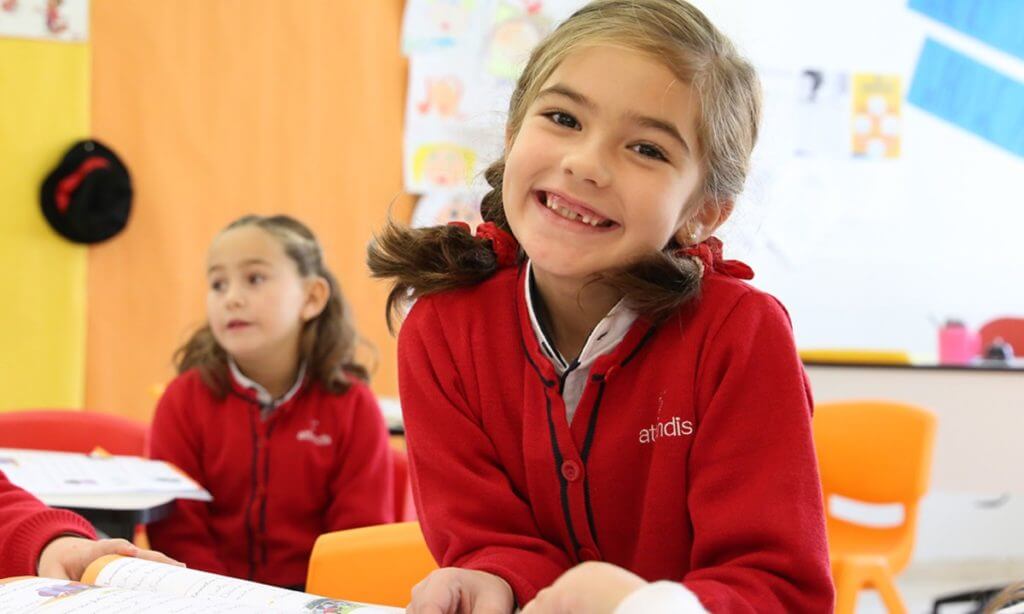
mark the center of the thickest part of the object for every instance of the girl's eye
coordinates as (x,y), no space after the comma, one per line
(650,151)
(256,278)
(563,119)
(217,285)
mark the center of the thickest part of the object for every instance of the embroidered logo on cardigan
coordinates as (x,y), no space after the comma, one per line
(310,435)
(674,427)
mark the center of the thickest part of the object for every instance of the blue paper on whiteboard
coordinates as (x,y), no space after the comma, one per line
(999,23)
(970,95)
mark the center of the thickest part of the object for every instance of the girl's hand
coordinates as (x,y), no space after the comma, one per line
(451,590)
(588,588)
(67,557)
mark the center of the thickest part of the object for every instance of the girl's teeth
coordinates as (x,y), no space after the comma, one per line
(572,215)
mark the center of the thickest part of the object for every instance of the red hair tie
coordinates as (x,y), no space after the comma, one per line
(67,186)
(505,246)
(709,254)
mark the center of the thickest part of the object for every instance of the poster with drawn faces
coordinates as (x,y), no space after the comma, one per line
(464,59)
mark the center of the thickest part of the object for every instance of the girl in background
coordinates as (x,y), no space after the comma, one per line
(270,413)
(586,378)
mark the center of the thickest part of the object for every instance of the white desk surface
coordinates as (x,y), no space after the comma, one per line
(118,502)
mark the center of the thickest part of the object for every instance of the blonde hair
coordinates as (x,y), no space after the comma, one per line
(327,342)
(427,260)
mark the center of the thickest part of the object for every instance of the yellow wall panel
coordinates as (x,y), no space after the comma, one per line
(44,96)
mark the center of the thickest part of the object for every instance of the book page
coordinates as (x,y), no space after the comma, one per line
(141,575)
(59,596)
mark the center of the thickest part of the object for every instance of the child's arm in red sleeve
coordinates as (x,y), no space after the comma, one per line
(27,526)
(363,486)
(755,496)
(470,514)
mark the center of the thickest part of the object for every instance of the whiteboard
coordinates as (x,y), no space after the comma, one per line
(866,252)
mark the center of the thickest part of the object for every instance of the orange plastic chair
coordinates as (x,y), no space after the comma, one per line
(875,452)
(378,564)
(405,508)
(72,431)
(1010,330)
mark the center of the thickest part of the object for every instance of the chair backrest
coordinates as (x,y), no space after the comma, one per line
(378,564)
(72,431)
(405,508)
(874,451)
(1010,330)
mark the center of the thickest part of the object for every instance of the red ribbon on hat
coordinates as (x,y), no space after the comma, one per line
(67,186)
(505,246)
(709,253)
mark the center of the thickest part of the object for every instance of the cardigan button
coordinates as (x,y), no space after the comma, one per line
(571,470)
(586,554)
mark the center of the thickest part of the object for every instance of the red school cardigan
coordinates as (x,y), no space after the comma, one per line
(320,462)
(690,456)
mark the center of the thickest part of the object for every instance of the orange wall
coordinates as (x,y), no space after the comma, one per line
(225,108)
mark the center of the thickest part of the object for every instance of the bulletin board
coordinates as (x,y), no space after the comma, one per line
(887,189)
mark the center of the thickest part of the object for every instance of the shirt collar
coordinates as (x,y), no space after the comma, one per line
(606,335)
(262,395)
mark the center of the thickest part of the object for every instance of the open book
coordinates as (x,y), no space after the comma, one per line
(122,584)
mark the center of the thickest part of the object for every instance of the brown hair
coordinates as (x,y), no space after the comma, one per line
(1010,595)
(428,260)
(328,341)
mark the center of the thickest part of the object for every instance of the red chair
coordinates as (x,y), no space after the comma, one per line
(72,431)
(65,430)
(405,507)
(1010,330)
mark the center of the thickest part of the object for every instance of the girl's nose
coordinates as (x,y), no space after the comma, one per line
(234,298)
(588,162)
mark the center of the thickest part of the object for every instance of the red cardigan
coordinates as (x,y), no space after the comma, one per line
(27,526)
(319,463)
(689,458)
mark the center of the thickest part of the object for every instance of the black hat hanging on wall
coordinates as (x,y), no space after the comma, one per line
(88,197)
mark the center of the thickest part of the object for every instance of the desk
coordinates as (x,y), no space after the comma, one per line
(115,515)
(979,445)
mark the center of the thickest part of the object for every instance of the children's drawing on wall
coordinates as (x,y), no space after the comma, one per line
(876,116)
(441,166)
(438,85)
(62,20)
(518,26)
(441,208)
(431,25)
(822,112)
(441,96)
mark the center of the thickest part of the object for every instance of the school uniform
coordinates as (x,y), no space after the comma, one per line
(27,525)
(281,473)
(680,451)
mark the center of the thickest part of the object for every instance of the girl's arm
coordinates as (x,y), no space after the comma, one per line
(755,496)
(184,535)
(27,526)
(363,486)
(471,515)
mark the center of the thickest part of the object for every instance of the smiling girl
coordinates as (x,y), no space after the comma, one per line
(586,378)
(270,412)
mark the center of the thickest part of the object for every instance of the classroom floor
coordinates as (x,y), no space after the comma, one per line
(921,584)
